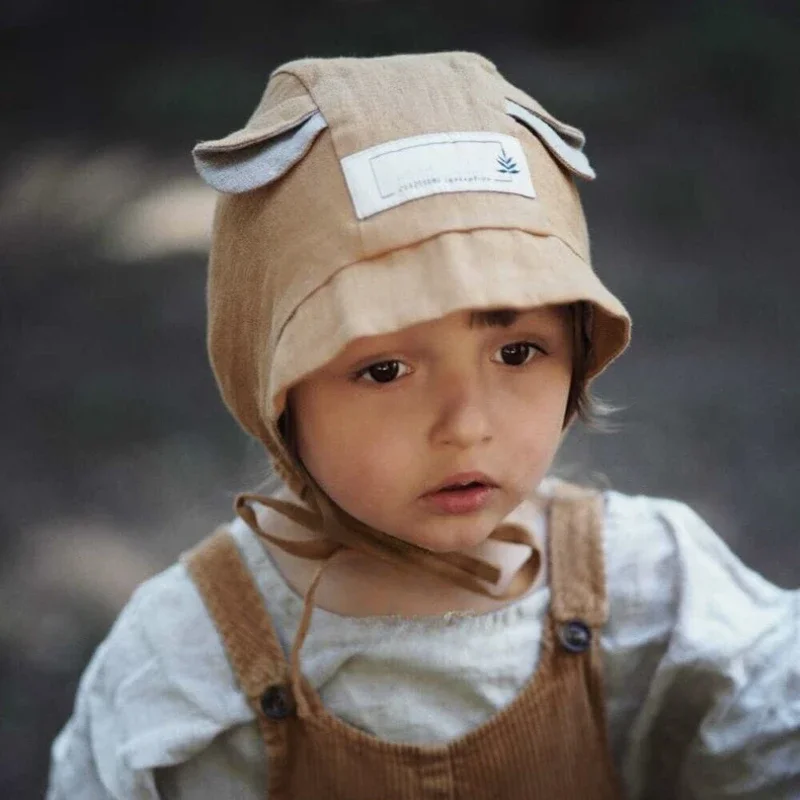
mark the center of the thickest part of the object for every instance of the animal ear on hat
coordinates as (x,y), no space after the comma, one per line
(564,142)
(265,150)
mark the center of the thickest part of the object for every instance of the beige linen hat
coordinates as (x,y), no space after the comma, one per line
(367,195)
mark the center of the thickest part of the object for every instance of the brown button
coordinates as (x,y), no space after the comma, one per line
(575,636)
(277,702)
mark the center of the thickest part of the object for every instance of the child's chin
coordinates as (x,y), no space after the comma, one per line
(450,541)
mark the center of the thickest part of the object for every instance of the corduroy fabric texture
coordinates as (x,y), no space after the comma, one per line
(551,741)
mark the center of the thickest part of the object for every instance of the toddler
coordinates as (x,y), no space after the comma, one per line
(402,309)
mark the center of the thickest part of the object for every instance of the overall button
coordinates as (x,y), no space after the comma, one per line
(277,702)
(575,636)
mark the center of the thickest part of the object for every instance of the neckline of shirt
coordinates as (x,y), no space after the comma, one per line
(284,599)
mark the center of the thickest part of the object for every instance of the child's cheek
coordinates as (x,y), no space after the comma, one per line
(356,454)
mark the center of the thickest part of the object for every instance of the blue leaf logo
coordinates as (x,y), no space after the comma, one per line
(506,164)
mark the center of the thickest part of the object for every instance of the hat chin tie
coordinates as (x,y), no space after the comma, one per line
(341,532)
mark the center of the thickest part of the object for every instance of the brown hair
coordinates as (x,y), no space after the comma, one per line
(580,402)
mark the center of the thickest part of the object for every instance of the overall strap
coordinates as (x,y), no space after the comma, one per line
(577,571)
(578,610)
(237,608)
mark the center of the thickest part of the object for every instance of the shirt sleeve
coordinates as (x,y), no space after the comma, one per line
(233,765)
(73,769)
(88,761)
(156,707)
(719,714)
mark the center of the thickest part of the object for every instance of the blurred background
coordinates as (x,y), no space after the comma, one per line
(117,453)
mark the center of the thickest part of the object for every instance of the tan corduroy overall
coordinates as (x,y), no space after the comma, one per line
(550,742)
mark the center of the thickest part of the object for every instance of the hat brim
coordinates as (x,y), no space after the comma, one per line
(475,269)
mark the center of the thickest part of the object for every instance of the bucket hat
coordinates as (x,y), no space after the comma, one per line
(365,195)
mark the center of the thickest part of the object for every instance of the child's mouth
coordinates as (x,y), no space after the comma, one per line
(460,498)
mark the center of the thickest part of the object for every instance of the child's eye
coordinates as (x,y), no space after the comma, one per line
(518,353)
(382,371)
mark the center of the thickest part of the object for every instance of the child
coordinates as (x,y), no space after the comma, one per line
(402,309)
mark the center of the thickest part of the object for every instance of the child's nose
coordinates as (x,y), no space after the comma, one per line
(463,415)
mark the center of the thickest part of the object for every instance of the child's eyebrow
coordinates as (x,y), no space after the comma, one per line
(497,318)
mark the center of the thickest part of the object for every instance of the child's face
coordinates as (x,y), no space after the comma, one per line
(395,416)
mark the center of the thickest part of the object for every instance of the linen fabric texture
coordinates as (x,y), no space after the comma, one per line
(701,664)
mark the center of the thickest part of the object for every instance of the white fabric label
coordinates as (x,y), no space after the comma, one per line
(395,172)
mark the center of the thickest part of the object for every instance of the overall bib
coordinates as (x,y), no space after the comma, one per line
(549,742)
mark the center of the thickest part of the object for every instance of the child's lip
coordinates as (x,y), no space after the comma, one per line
(463,478)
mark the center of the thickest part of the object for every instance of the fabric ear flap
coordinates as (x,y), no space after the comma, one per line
(260,153)
(564,142)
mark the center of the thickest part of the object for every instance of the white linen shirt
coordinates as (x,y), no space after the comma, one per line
(701,668)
